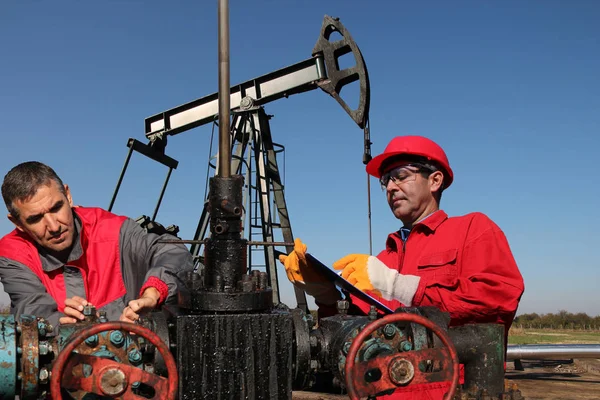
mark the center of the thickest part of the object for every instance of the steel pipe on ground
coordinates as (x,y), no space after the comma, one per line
(552,351)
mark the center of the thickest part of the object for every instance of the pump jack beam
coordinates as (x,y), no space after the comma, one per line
(320,71)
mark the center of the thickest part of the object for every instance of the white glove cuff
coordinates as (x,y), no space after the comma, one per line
(392,284)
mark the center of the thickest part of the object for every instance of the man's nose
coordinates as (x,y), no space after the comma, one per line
(52,224)
(391,186)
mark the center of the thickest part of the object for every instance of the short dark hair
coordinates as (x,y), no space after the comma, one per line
(24,180)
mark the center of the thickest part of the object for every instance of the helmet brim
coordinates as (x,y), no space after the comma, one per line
(374,166)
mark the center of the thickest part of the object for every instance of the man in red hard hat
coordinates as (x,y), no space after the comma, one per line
(461,265)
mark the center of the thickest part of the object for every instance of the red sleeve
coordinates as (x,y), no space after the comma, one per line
(488,285)
(159,285)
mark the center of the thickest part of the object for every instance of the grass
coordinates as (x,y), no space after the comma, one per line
(552,336)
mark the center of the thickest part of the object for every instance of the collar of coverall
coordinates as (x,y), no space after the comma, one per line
(51,263)
(431,222)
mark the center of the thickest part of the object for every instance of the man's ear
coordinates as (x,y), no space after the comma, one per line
(68,194)
(15,221)
(436,180)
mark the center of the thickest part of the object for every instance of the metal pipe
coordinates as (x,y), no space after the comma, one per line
(552,351)
(248,242)
(369,214)
(112,201)
(224,143)
(162,194)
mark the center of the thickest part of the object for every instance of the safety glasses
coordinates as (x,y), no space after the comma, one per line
(402,174)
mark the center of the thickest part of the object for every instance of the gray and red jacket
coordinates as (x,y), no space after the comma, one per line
(111,263)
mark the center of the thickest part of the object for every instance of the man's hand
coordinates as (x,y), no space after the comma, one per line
(135,308)
(367,273)
(73,310)
(301,274)
(354,270)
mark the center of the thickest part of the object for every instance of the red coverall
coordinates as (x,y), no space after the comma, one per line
(466,269)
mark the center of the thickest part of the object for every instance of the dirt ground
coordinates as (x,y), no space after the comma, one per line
(550,380)
(557,381)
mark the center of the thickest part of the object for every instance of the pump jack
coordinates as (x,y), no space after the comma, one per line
(251,130)
(228,336)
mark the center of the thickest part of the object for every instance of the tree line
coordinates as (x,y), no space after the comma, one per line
(562,320)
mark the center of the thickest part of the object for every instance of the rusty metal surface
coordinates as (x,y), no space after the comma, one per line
(8,356)
(400,370)
(109,378)
(104,376)
(480,348)
(356,382)
(105,345)
(29,344)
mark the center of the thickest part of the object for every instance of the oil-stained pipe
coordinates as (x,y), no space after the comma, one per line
(552,351)
(224,104)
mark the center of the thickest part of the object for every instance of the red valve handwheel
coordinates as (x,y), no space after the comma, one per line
(104,368)
(355,373)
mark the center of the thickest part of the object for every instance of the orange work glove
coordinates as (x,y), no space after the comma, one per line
(300,273)
(368,273)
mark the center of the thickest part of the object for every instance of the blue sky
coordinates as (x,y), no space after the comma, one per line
(510,89)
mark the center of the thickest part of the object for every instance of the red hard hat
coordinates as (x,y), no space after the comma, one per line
(413,146)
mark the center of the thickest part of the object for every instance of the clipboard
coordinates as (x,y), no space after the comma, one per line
(343,284)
